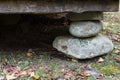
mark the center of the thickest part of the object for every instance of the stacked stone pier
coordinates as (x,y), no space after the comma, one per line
(85,40)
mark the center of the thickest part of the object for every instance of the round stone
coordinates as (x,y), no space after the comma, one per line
(85,28)
(83,48)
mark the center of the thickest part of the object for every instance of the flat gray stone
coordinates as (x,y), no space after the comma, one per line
(83,48)
(85,28)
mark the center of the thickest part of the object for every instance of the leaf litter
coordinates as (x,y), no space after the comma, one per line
(63,68)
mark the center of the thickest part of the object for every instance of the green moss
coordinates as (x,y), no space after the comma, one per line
(54,66)
(39,73)
(114,27)
(107,69)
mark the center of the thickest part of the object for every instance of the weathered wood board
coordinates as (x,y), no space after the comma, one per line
(57,6)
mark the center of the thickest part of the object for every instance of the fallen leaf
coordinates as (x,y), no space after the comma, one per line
(2,78)
(63,70)
(41,67)
(31,74)
(36,76)
(117,51)
(11,69)
(117,59)
(83,75)
(23,72)
(28,54)
(74,60)
(4,63)
(69,74)
(100,60)
(11,77)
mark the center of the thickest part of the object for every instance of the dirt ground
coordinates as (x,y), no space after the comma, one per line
(28,55)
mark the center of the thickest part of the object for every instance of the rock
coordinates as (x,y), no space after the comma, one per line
(85,28)
(85,16)
(83,48)
(91,71)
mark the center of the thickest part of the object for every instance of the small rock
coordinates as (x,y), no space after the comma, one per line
(91,71)
(85,28)
(83,48)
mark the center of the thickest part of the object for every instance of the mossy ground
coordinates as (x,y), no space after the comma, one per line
(48,64)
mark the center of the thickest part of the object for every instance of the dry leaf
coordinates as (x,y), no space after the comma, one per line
(11,77)
(100,60)
(31,74)
(41,67)
(36,76)
(63,70)
(23,72)
(117,59)
(29,54)
(84,75)
(117,51)
(68,75)
(2,78)
(4,63)
(74,60)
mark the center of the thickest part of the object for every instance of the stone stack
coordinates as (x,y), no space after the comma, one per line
(85,40)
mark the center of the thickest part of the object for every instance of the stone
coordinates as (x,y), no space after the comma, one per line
(85,16)
(84,48)
(85,28)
